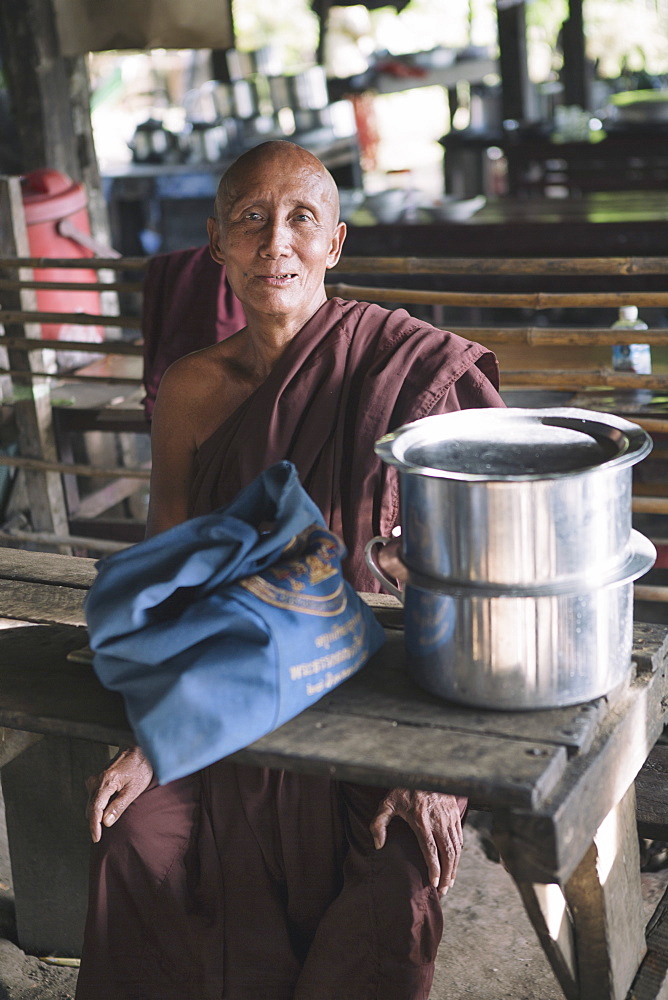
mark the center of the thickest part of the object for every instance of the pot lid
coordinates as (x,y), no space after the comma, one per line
(514,444)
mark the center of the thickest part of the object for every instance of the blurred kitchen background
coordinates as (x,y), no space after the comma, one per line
(404,103)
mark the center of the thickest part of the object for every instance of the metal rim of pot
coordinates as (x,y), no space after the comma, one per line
(633,443)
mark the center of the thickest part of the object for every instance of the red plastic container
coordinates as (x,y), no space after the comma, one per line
(52,199)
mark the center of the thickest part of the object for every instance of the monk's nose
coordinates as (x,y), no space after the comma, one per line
(276,241)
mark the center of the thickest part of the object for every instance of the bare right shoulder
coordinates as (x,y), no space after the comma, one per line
(192,401)
(196,393)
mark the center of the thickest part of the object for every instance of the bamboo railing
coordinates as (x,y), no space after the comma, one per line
(22,328)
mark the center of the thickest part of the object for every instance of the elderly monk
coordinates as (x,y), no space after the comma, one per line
(245,883)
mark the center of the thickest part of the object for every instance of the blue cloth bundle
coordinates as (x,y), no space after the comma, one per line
(224,627)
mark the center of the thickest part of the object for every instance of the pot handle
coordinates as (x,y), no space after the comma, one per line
(375,568)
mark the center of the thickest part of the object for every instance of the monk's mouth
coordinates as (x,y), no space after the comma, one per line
(278,279)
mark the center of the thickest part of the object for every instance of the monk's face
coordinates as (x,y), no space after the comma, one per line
(277,231)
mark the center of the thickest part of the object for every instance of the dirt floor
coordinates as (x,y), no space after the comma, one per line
(489,950)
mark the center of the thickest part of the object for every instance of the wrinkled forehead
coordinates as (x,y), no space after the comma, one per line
(292,179)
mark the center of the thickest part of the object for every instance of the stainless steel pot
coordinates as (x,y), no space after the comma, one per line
(524,652)
(516,497)
(516,530)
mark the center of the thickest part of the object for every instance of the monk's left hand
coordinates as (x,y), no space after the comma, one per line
(435,820)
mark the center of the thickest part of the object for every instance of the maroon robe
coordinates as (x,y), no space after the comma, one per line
(243,883)
(187,304)
(354,372)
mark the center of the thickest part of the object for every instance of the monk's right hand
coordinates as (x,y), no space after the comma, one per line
(112,791)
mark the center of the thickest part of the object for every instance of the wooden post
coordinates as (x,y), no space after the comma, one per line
(516,94)
(49,843)
(50,100)
(32,406)
(574,73)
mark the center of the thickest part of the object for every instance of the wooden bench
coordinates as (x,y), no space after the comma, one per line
(543,361)
(559,784)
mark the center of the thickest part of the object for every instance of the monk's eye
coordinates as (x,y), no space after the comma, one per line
(252,216)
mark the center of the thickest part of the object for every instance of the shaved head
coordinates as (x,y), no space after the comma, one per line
(277,231)
(287,159)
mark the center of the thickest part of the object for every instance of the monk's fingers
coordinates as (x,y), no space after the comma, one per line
(447,832)
(379,824)
(430,852)
(99,793)
(112,791)
(118,805)
(449,853)
(131,789)
(436,822)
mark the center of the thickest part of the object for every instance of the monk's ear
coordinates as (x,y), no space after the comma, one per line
(337,245)
(215,245)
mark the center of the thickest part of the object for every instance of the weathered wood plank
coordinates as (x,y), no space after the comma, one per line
(46,567)
(384,690)
(548,844)
(650,645)
(42,602)
(498,300)
(44,692)
(501,265)
(492,771)
(652,795)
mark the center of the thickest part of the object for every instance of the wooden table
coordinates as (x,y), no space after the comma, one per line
(558,783)
(612,223)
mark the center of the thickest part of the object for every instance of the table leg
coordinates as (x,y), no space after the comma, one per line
(552,922)
(593,931)
(49,843)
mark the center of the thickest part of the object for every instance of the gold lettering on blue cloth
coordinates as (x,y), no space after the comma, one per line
(317,666)
(339,631)
(325,605)
(320,569)
(331,680)
(297,574)
(316,566)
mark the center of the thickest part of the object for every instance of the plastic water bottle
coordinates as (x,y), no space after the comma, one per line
(631,357)
(636,358)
